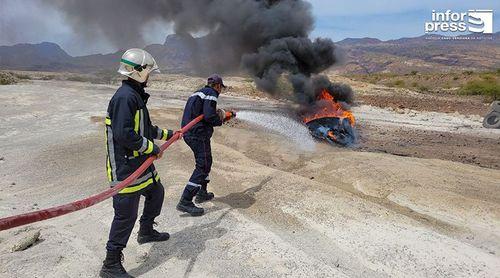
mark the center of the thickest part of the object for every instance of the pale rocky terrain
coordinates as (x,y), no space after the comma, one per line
(279,211)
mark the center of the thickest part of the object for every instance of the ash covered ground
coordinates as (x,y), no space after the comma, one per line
(418,196)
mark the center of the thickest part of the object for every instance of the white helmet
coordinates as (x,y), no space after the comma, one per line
(137,64)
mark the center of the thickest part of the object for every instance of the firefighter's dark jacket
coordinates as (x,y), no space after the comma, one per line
(129,136)
(204,101)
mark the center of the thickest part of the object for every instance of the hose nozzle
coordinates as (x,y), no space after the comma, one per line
(229,115)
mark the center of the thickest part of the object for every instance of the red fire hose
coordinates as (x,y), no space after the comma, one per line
(35,216)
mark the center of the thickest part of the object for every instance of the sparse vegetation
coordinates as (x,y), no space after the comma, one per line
(105,77)
(399,83)
(422,88)
(22,76)
(487,86)
(7,78)
(48,77)
(465,82)
(77,78)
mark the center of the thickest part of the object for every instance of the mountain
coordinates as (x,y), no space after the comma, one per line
(45,55)
(425,53)
(172,56)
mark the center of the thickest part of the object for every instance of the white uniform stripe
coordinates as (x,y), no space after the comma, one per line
(203,96)
(194,184)
(111,150)
(144,145)
(141,122)
(139,180)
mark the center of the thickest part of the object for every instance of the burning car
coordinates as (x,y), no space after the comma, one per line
(329,120)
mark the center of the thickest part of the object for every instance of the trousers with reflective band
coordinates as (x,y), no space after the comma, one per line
(145,181)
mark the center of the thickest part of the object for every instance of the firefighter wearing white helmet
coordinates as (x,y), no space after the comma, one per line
(137,64)
(130,139)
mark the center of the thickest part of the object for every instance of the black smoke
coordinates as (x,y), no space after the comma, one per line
(266,38)
(297,56)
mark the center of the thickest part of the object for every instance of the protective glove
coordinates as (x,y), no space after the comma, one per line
(221,113)
(156,150)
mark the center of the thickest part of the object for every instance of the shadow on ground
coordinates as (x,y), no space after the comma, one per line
(186,245)
(189,243)
(244,199)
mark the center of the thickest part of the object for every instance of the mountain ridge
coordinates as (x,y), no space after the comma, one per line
(361,55)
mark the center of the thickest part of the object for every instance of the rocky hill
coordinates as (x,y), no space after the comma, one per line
(365,55)
(172,56)
(425,53)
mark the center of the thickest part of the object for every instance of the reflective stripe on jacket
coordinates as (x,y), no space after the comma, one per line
(204,101)
(129,136)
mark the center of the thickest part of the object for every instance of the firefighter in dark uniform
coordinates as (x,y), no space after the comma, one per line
(130,136)
(204,101)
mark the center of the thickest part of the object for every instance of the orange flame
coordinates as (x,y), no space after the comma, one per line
(327,107)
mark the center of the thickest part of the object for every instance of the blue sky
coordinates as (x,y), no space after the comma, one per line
(385,19)
(337,19)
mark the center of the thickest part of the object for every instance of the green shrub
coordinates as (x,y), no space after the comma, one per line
(399,83)
(487,76)
(467,72)
(413,72)
(486,87)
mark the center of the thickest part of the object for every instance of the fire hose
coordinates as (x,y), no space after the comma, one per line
(35,216)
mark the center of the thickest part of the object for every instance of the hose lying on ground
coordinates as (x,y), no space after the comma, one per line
(35,216)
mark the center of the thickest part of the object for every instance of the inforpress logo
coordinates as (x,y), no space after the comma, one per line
(481,21)
(476,21)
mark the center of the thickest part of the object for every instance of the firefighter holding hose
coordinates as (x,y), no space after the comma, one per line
(204,101)
(130,141)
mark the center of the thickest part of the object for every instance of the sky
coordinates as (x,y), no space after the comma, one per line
(34,22)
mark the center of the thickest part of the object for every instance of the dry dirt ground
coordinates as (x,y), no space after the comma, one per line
(279,211)
(428,125)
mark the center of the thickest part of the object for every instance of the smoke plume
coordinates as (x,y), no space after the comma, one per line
(266,38)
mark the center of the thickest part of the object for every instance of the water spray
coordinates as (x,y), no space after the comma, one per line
(293,130)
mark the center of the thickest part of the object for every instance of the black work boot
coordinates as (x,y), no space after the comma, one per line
(203,195)
(112,266)
(186,203)
(148,234)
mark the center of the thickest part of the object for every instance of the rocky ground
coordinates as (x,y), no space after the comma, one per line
(429,125)
(418,197)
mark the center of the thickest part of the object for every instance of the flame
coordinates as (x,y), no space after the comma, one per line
(331,135)
(327,107)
